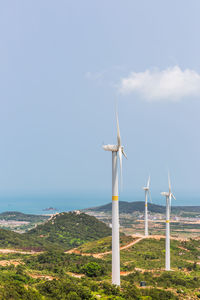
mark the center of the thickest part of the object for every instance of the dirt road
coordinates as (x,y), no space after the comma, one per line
(100,255)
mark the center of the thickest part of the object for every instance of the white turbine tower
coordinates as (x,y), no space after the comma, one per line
(115,205)
(168,196)
(147,193)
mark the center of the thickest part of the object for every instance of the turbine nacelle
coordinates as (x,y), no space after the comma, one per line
(166,194)
(113,148)
(169,195)
(117,148)
(145,188)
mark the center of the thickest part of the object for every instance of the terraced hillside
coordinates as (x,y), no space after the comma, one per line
(73,261)
(58,275)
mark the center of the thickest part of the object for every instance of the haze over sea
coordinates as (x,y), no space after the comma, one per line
(36,204)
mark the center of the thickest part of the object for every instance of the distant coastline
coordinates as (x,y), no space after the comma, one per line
(37,205)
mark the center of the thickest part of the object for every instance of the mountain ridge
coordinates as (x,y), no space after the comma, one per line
(130,207)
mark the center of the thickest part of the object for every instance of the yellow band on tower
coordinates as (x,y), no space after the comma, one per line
(167,221)
(114,198)
(145,204)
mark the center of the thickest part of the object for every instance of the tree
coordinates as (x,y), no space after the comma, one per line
(73,296)
(92,269)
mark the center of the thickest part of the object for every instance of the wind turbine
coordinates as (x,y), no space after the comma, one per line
(168,196)
(147,192)
(115,149)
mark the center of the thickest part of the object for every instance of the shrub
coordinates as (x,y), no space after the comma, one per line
(92,269)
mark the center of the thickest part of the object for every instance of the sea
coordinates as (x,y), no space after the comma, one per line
(40,204)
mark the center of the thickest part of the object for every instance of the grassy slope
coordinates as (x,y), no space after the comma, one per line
(149,253)
(104,244)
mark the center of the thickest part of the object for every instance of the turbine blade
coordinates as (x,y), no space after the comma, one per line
(170,202)
(118,132)
(150,196)
(124,154)
(169,183)
(173,197)
(120,162)
(148,182)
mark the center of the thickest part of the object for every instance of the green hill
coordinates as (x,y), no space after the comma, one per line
(130,207)
(63,231)
(70,230)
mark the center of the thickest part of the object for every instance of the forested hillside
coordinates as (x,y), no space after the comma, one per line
(57,275)
(85,273)
(63,231)
(70,230)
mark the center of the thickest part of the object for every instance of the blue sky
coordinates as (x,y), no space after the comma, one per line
(63,67)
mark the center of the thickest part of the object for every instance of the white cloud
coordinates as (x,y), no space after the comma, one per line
(170,84)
